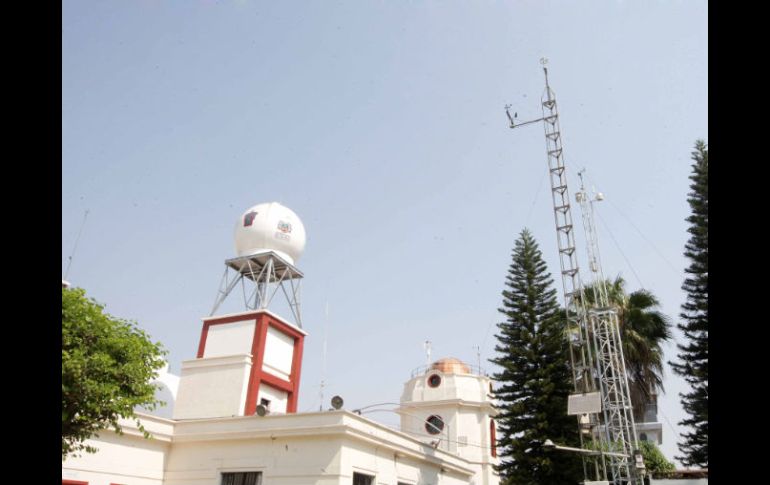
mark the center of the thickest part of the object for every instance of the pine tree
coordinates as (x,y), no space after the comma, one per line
(535,379)
(693,362)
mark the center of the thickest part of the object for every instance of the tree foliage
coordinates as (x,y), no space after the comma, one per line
(107,366)
(535,379)
(654,461)
(693,354)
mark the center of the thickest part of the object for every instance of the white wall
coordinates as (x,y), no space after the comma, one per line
(278,399)
(229,339)
(654,432)
(129,459)
(279,350)
(474,425)
(468,387)
(213,387)
(282,461)
(309,448)
(297,449)
(389,467)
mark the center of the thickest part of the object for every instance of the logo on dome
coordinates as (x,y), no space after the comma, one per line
(248,219)
(284,227)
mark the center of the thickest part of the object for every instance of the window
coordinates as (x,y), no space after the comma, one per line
(434,424)
(434,380)
(361,479)
(242,478)
(492,439)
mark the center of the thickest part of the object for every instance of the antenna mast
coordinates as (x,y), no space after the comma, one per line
(323,365)
(618,413)
(77,239)
(583,341)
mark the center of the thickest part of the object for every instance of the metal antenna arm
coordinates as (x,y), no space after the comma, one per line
(508,114)
(511,118)
(526,123)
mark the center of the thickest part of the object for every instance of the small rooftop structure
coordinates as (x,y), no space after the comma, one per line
(451,365)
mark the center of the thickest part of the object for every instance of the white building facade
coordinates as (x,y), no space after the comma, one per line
(331,448)
(231,416)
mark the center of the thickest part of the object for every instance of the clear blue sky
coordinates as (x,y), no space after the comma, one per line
(381,124)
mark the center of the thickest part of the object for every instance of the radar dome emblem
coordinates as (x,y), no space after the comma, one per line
(270,227)
(248,218)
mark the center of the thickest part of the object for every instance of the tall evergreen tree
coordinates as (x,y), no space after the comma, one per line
(535,379)
(693,357)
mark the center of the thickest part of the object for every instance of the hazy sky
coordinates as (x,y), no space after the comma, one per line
(381,124)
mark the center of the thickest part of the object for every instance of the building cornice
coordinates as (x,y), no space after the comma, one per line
(317,425)
(485,405)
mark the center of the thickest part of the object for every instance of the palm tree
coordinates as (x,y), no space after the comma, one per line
(643,328)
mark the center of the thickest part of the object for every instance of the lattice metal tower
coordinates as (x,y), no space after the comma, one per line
(590,372)
(618,417)
(269,273)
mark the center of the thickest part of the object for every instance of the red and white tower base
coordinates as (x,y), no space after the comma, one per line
(254,357)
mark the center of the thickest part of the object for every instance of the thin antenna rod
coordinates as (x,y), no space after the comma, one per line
(77,239)
(544,62)
(323,361)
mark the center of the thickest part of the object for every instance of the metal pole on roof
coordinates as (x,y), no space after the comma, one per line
(75,247)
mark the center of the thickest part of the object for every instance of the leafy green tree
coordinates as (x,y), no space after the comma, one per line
(693,356)
(107,366)
(535,379)
(654,461)
(643,328)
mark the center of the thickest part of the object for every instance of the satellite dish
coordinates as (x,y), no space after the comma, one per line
(337,402)
(262,410)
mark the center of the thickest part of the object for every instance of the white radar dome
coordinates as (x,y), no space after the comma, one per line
(270,227)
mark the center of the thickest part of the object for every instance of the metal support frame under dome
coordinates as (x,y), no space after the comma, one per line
(269,273)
